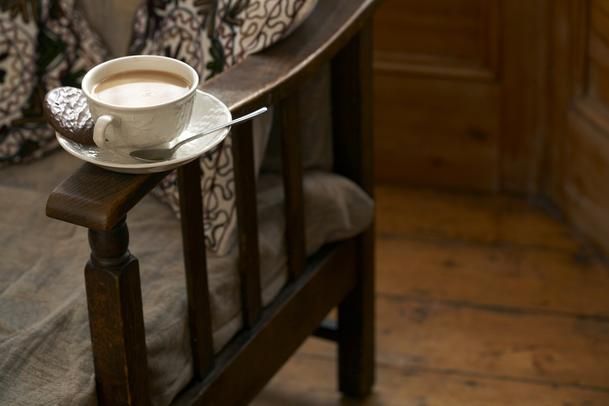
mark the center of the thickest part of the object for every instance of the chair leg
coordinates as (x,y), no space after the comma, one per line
(353,158)
(114,300)
(356,327)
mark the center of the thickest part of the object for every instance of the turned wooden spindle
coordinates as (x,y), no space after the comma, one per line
(116,319)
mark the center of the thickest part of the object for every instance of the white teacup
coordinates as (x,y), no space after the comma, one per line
(138,126)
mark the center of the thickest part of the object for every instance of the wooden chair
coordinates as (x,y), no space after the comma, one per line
(338,275)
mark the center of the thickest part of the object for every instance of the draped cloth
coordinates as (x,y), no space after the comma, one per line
(45,44)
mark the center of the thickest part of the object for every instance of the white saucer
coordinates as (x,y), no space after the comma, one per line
(207,112)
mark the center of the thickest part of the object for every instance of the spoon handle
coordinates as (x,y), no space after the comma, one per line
(221,126)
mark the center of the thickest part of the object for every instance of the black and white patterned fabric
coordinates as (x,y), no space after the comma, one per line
(43,44)
(211,35)
(46,44)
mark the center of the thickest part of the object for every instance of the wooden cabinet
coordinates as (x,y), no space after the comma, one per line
(497,95)
(457,86)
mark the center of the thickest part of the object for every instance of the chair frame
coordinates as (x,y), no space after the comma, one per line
(340,274)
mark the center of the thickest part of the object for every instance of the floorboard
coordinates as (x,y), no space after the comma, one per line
(416,387)
(427,215)
(532,279)
(481,300)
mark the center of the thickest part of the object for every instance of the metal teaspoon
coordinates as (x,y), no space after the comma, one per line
(163,154)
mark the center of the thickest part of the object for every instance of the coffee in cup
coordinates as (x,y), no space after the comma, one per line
(140,101)
(140,88)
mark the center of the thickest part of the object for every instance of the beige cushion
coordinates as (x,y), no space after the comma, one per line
(45,351)
(113,20)
(314,124)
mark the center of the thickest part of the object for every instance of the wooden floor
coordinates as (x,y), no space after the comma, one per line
(480,301)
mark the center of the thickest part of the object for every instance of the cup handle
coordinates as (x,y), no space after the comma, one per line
(99,131)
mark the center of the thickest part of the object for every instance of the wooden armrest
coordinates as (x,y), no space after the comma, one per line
(267,77)
(98,199)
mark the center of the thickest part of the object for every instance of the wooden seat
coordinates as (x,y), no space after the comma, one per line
(339,275)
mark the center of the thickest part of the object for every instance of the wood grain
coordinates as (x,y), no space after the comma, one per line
(434,132)
(437,98)
(536,280)
(443,38)
(195,268)
(524,94)
(98,199)
(445,245)
(538,126)
(353,158)
(578,151)
(598,53)
(562,350)
(586,196)
(495,220)
(250,360)
(247,222)
(462,320)
(455,105)
(309,380)
(116,320)
(292,173)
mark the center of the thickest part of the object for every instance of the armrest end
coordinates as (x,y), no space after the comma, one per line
(98,199)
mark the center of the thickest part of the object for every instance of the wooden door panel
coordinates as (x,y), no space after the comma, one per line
(435,36)
(459,147)
(474,74)
(437,99)
(497,95)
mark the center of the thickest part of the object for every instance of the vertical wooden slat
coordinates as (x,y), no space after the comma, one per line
(116,320)
(247,219)
(195,265)
(352,109)
(292,184)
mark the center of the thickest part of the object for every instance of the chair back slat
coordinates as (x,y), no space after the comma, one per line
(247,219)
(292,172)
(352,111)
(195,264)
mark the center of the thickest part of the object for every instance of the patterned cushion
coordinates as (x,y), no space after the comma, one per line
(49,44)
(212,35)
(44,44)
